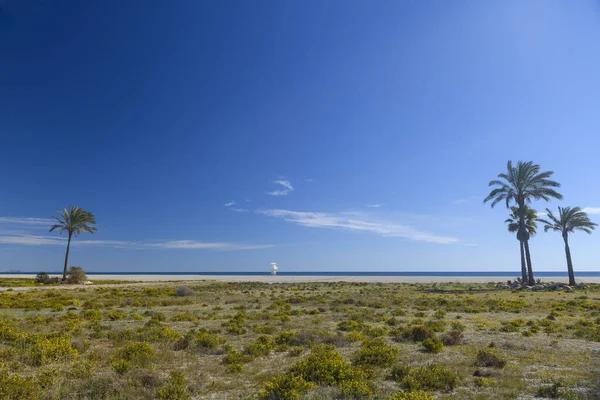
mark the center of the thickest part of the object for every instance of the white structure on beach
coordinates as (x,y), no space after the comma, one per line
(274,268)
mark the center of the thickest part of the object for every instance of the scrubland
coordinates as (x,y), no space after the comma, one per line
(336,340)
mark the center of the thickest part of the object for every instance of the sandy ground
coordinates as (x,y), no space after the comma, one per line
(283,279)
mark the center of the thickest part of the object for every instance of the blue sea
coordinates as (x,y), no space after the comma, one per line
(507,274)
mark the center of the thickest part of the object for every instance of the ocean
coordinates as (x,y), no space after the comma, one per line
(507,274)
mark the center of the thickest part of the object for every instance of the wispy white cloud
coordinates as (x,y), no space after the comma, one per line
(231,203)
(592,210)
(32,240)
(26,221)
(466,200)
(354,221)
(284,190)
(194,244)
(373,205)
(310,180)
(239,209)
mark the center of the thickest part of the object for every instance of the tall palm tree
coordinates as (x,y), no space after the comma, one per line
(569,220)
(530,226)
(522,184)
(73,220)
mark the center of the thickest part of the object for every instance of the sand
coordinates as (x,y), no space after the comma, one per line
(283,279)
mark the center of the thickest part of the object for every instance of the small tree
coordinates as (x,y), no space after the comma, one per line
(76,275)
(42,277)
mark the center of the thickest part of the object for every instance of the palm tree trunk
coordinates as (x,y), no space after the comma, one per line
(531,281)
(523,264)
(64,278)
(569,261)
(524,236)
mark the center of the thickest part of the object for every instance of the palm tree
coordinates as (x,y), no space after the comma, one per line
(73,220)
(569,220)
(521,185)
(530,226)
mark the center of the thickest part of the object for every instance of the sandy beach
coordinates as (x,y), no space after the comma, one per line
(285,279)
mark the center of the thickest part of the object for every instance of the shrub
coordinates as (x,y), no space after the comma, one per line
(433,345)
(261,347)
(115,315)
(200,340)
(287,337)
(120,366)
(76,275)
(176,388)
(296,351)
(417,395)
(418,333)
(42,278)
(137,354)
(16,387)
(488,357)
(376,353)
(91,315)
(399,371)
(430,377)
(356,389)
(349,325)
(184,291)
(234,361)
(453,337)
(57,348)
(483,382)
(184,317)
(284,387)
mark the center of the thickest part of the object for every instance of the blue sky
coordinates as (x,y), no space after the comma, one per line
(338,135)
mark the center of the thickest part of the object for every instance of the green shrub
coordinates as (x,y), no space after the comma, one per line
(418,333)
(417,395)
(356,389)
(261,347)
(138,354)
(433,345)
(184,317)
(376,353)
(15,387)
(430,377)
(76,275)
(115,315)
(120,366)
(324,366)
(483,382)
(287,337)
(200,340)
(296,351)
(234,361)
(349,325)
(53,349)
(488,357)
(284,387)
(399,371)
(42,278)
(91,315)
(176,388)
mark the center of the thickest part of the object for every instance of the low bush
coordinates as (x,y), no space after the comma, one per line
(376,353)
(138,354)
(176,388)
(53,349)
(428,377)
(184,317)
(284,387)
(433,345)
(416,395)
(262,346)
(418,333)
(115,315)
(76,275)
(16,387)
(184,291)
(489,357)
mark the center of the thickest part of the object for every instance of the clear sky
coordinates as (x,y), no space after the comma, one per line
(324,135)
